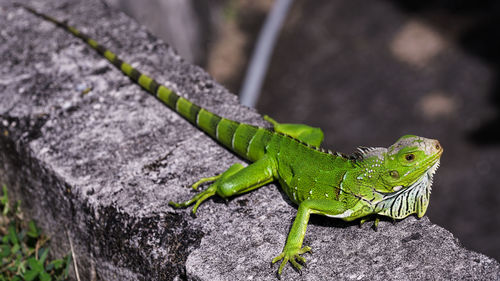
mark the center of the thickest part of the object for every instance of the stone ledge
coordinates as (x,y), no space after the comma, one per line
(103,165)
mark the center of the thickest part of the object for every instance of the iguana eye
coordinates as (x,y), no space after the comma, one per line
(410,157)
(394,174)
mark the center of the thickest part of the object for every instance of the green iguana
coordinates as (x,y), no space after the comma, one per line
(393,182)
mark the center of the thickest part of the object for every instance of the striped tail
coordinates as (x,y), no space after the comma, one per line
(246,140)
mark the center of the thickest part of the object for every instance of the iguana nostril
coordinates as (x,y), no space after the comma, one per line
(437,146)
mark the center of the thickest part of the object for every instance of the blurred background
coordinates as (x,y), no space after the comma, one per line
(367,74)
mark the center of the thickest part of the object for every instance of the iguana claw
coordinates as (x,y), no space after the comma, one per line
(292,256)
(204,180)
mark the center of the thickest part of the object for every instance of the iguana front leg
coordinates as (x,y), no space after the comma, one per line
(293,247)
(235,180)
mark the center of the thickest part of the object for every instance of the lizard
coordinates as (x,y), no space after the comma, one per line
(394,182)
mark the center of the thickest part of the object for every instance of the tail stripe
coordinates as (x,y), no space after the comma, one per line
(144,81)
(167,96)
(242,137)
(117,62)
(135,74)
(153,86)
(187,109)
(92,42)
(110,56)
(225,131)
(100,49)
(71,29)
(126,68)
(194,110)
(208,121)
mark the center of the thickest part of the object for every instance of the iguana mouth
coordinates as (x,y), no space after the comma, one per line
(434,168)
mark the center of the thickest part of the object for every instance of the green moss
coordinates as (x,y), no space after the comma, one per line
(24,249)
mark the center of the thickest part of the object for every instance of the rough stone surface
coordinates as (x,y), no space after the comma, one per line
(102,166)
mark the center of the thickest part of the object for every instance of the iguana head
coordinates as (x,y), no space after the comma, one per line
(402,174)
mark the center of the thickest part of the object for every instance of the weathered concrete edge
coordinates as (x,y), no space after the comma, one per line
(34,177)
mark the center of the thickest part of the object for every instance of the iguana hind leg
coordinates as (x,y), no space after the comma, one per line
(235,180)
(310,135)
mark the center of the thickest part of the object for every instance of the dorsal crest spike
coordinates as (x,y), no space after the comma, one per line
(365,149)
(365,152)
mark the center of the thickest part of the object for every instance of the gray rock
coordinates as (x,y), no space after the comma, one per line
(101,166)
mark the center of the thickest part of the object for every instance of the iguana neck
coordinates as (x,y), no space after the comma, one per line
(409,200)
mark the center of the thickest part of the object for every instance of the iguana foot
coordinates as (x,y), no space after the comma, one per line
(376,220)
(210,191)
(197,199)
(292,256)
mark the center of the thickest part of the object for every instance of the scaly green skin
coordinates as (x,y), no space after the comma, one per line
(393,182)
